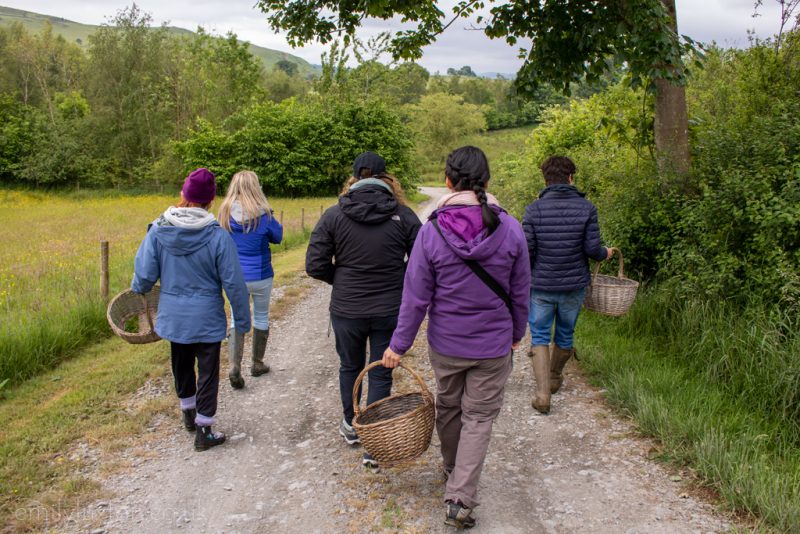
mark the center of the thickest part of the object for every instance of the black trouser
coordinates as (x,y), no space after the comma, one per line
(351,344)
(206,384)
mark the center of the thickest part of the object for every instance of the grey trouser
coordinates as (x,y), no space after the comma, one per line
(468,400)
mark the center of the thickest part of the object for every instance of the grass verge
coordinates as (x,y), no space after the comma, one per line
(739,448)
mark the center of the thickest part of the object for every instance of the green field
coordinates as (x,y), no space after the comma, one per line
(78,33)
(50,267)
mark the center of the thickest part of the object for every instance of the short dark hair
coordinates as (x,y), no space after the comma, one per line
(557,170)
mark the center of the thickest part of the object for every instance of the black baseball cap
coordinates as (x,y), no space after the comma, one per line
(369,160)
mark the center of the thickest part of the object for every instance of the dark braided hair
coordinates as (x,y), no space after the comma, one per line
(468,170)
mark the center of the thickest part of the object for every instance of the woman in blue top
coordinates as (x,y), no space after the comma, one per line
(195,260)
(246,214)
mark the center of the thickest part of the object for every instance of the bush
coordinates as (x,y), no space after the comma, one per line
(300,148)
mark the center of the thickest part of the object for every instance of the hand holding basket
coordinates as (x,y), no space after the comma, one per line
(611,295)
(128,305)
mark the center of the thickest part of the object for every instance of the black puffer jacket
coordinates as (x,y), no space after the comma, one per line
(562,232)
(360,246)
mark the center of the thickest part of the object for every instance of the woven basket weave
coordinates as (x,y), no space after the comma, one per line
(397,429)
(611,295)
(128,305)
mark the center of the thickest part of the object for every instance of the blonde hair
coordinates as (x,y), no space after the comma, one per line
(246,190)
(391,181)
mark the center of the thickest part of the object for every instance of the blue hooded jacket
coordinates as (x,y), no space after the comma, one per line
(562,232)
(194,265)
(253,246)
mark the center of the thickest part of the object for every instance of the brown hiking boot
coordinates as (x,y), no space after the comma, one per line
(558,360)
(541,373)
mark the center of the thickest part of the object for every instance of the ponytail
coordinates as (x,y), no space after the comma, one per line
(467,169)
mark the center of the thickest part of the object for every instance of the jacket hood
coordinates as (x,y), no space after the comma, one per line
(463,229)
(561,189)
(237,213)
(182,241)
(369,204)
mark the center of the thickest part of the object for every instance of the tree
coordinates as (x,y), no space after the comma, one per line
(571,40)
(440,121)
(466,70)
(289,67)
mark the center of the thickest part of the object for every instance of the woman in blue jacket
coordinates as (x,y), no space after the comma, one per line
(195,260)
(246,214)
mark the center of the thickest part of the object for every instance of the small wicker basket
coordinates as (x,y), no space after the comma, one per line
(128,305)
(611,295)
(397,429)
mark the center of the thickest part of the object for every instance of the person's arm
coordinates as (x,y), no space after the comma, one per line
(520,291)
(418,287)
(413,223)
(275,230)
(230,273)
(146,266)
(592,245)
(530,233)
(321,250)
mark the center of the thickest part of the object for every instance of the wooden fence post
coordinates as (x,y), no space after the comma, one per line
(280,219)
(320,211)
(302,219)
(104,270)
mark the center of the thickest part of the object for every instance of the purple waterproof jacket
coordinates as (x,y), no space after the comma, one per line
(466,319)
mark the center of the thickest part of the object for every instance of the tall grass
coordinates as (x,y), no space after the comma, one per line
(50,268)
(717,386)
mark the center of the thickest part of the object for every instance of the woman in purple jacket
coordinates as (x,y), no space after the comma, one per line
(246,214)
(472,330)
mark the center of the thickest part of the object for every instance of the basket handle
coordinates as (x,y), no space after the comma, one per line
(423,388)
(147,313)
(621,272)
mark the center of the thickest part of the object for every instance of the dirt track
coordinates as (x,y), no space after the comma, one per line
(285,468)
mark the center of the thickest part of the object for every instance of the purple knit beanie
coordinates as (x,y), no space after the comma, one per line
(200,186)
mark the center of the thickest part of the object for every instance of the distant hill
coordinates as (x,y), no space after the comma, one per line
(78,33)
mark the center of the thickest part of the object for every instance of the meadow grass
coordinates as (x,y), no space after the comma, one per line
(50,302)
(717,388)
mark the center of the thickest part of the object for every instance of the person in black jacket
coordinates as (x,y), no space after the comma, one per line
(562,232)
(360,247)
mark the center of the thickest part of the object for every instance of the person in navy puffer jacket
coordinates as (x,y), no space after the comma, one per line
(246,214)
(562,232)
(195,260)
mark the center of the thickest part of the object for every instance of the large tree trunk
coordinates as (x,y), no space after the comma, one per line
(671,121)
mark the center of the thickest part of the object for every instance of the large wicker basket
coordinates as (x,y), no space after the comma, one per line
(397,429)
(128,305)
(611,295)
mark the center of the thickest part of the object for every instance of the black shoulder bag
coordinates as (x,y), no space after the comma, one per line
(481,273)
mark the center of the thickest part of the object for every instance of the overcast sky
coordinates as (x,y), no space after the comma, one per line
(724,21)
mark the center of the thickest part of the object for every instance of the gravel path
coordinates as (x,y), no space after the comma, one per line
(285,468)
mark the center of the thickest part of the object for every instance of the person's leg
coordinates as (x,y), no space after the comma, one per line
(182,359)
(481,403)
(450,375)
(351,346)
(567,311)
(207,381)
(261,292)
(569,308)
(540,317)
(380,378)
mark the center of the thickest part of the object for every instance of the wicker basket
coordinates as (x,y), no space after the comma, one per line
(128,305)
(611,295)
(397,429)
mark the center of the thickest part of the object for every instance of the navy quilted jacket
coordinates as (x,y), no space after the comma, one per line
(562,232)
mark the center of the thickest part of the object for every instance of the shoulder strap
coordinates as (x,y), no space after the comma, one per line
(481,273)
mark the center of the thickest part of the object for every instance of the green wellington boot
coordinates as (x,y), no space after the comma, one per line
(235,351)
(558,360)
(260,338)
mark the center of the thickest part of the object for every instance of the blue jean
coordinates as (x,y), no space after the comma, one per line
(260,292)
(561,306)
